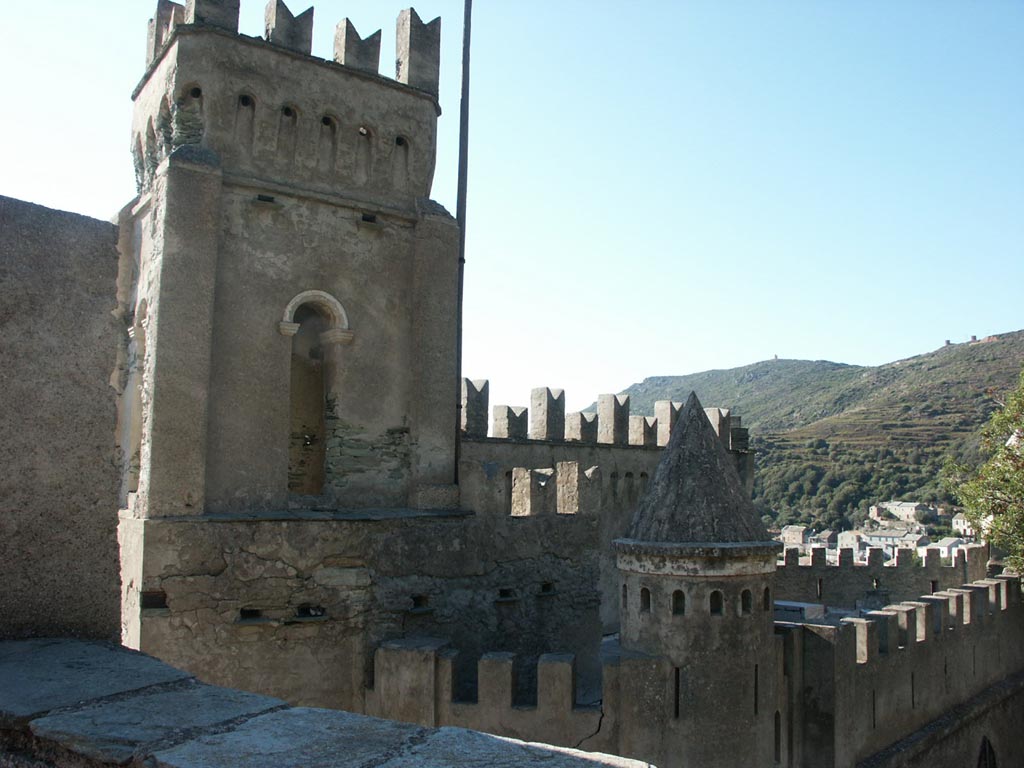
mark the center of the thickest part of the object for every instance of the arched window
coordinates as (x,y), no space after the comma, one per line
(245,121)
(717,603)
(746,602)
(287,132)
(307,439)
(327,144)
(188,116)
(645,600)
(400,163)
(625,597)
(678,603)
(363,155)
(314,320)
(766,599)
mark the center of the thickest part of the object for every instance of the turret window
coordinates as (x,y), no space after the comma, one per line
(766,600)
(717,603)
(625,597)
(678,603)
(746,603)
(645,600)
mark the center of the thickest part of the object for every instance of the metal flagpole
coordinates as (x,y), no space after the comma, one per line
(460,216)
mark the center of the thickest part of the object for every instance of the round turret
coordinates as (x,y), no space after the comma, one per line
(696,580)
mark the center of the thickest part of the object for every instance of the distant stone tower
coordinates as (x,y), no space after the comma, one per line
(697,628)
(290,287)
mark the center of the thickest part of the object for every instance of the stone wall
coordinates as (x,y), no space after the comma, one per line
(987,724)
(920,681)
(274,183)
(899,673)
(58,486)
(626,450)
(309,595)
(875,583)
(485,479)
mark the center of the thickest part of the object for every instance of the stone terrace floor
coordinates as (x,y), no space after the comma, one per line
(74,703)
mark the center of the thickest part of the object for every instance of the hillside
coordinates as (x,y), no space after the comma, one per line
(834,438)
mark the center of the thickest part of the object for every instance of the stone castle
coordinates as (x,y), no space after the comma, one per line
(297,503)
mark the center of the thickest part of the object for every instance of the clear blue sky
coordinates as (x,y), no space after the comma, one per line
(656,187)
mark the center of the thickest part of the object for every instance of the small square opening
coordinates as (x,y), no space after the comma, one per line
(154,599)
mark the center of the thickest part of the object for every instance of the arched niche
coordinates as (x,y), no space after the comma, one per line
(337,332)
(315,322)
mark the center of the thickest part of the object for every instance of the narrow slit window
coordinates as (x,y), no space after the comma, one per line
(756,686)
(778,737)
(676,696)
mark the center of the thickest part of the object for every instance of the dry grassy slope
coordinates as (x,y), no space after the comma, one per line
(931,398)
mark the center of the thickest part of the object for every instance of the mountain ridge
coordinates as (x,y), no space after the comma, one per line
(832,438)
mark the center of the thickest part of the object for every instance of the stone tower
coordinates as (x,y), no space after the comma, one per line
(696,589)
(292,285)
(289,286)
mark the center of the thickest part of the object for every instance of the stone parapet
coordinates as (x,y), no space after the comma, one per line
(905,665)
(851,584)
(71,704)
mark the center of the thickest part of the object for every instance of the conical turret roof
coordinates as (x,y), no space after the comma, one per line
(696,495)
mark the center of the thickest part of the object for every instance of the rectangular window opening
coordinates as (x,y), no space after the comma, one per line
(154,599)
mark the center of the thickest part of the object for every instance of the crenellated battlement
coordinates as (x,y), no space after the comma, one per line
(892,672)
(911,661)
(418,48)
(277,115)
(415,681)
(611,424)
(287,30)
(852,584)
